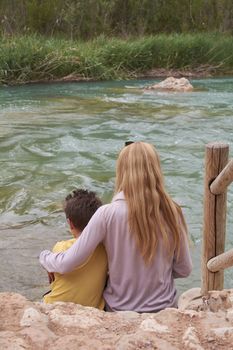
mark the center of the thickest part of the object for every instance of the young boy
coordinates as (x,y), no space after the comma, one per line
(86,283)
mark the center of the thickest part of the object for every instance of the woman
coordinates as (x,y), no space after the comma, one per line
(144,234)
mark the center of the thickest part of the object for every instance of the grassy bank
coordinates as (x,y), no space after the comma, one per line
(32,58)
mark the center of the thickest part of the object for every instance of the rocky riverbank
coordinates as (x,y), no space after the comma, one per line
(33,325)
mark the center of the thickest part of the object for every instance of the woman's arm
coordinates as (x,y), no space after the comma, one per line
(91,236)
(182,262)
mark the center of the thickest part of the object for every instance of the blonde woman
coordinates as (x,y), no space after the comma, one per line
(144,234)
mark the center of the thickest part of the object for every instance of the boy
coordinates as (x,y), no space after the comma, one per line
(86,283)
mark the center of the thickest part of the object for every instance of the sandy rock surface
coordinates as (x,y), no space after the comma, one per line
(67,326)
(172,84)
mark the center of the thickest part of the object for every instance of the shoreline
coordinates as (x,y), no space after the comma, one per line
(33,59)
(202,72)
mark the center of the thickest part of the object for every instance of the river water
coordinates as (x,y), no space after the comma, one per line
(56,137)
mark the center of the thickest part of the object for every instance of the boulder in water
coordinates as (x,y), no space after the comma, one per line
(172,84)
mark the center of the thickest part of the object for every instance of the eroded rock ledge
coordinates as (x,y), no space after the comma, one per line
(67,326)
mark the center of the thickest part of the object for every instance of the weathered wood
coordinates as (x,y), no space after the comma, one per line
(216,158)
(224,179)
(221,262)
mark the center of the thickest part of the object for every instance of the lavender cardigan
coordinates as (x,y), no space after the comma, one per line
(131,285)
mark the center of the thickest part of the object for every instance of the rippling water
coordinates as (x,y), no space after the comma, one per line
(60,136)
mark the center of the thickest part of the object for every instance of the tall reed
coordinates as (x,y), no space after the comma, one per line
(29,58)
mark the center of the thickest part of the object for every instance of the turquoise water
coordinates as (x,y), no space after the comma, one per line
(56,137)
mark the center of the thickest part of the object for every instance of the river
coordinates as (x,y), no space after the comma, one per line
(56,137)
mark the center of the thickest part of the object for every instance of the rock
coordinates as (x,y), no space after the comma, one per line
(191,340)
(191,299)
(37,326)
(32,316)
(143,341)
(222,331)
(214,301)
(151,325)
(10,341)
(76,318)
(12,307)
(172,84)
(229,315)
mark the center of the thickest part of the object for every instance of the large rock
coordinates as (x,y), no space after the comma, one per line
(214,301)
(172,84)
(67,326)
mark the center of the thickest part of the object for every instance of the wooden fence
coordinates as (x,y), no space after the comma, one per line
(218,175)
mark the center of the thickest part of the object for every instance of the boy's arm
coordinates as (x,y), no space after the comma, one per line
(51,277)
(91,236)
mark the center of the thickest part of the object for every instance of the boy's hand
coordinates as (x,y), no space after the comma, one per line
(51,276)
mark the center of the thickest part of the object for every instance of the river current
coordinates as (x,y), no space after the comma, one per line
(56,137)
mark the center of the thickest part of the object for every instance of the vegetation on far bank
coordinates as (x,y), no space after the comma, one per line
(113,39)
(36,58)
(87,19)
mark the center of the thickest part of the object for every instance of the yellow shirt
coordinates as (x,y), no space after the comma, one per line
(85,284)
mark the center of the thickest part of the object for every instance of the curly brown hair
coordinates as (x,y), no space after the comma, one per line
(79,206)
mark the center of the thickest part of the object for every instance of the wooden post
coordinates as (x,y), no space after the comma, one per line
(216,158)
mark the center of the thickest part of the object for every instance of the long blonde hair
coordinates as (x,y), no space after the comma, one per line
(151,211)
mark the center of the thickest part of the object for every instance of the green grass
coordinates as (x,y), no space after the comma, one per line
(32,58)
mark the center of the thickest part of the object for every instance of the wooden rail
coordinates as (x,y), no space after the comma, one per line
(221,262)
(224,179)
